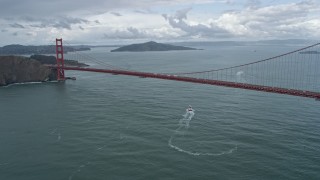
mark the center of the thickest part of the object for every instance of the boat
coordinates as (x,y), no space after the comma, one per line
(189,109)
(71,78)
(189,114)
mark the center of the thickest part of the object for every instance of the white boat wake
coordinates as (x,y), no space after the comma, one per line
(186,118)
(184,122)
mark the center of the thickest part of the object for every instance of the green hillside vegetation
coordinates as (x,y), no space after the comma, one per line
(17,49)
(52,60)
(151,46)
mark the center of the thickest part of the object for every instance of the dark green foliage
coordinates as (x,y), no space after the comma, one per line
(20,49)
(44,59)
(52,60)
(151,46)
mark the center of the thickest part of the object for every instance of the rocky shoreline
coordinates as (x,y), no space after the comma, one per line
(17,69)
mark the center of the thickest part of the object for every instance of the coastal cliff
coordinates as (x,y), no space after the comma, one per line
(16,69)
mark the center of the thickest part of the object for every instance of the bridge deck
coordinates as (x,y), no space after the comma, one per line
(277,90)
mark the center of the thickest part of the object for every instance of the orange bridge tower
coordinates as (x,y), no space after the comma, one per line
(60,60)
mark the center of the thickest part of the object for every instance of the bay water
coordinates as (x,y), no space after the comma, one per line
(104,126)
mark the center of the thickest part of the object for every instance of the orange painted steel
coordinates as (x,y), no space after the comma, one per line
(60,60)
(254,87)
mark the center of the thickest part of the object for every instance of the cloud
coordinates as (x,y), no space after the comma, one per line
(271,21)
(128,33)
(47,8)
(182,14)
(58,22)
(148,11)
(33,34)
(254,21)
(179,21)
(116,14)
(132,33)
(16,25)
(67,22)
(253,3)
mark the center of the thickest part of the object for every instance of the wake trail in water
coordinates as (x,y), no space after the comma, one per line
(184,122)
(78,170)
(85,164)
(3,164)
(57,133)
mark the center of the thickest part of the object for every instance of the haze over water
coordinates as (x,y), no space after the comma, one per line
(104,126)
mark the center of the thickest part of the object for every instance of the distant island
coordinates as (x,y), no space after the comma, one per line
(17,49)
(151,46)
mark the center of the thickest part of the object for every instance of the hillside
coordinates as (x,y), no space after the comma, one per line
(43,59)
(151,46)
(17,49)
(16,69)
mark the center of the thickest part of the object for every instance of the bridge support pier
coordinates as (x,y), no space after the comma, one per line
(60,60)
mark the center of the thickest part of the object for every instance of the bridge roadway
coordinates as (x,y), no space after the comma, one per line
(277,90)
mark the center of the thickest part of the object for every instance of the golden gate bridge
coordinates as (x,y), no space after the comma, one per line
(293,73)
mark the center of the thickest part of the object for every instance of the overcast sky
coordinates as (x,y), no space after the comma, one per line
(124,21)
